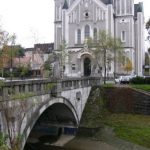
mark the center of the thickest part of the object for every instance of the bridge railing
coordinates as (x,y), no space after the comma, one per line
(75,83)
(44,86)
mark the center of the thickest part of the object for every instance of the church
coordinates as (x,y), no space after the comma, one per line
(77,20)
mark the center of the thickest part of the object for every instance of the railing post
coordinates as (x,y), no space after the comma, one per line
(34,87)
(26,88)
(5,92)
(59,88)
(42,87)
(16,88)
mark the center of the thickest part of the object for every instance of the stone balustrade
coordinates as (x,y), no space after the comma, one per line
(45,86)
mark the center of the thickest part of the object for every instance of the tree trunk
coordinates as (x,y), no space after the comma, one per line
(104,66)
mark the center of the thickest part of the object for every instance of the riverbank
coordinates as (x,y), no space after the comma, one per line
(127,128)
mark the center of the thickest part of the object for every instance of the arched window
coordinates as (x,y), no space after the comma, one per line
(87,32)
(78,36)
(95,34)
(123,36)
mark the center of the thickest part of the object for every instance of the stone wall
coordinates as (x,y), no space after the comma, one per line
(127,100)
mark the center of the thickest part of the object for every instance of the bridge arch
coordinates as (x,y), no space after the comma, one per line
(46,105)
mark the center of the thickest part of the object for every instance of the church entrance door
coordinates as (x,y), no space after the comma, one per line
(87,67)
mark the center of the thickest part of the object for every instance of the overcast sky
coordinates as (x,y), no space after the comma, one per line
(33,20)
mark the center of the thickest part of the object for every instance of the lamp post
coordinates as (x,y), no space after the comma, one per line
(11,65)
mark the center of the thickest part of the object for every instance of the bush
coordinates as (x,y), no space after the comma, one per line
(3,144)
(147,80)
(137,80)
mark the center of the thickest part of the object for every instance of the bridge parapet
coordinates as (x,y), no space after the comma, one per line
(45,86)
(75,83)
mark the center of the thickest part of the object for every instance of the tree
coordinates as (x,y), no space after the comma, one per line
(148,29)
(12,114)
(148,50)
(3,143)
(48,69)
(128,65)
(6,49)
(147,59)
(19,52)
(147,62)
(13,117)
(63,53)
(23,71)
(104,50)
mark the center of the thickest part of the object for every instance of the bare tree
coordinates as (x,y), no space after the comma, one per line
(148,29)
(104,48)
(6,53)
(13,112)
(128,65)
(63,53)
(13,115)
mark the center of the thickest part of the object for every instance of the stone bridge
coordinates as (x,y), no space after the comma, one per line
(24,102)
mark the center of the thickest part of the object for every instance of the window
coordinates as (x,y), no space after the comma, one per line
(73,67)
(86,14)
(123,36)
(78,36)
(118,6)
(95,34)
(129,6)
(123,7)
(87,32)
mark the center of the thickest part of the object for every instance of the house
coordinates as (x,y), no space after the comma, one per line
(39,55)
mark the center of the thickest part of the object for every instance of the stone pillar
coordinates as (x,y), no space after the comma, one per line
(34,87)
(26,88)
(42,87)
(16,88)
(59,88)
(5,92)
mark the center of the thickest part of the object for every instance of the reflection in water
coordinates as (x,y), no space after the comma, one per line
(40,146)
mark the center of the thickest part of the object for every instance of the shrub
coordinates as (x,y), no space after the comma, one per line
(3,144)
(147,80)
(137,80)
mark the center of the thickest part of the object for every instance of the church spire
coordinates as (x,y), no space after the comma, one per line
(65,6)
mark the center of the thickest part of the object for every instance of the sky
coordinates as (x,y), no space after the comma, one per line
(33,20)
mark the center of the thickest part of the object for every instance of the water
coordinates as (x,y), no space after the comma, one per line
(77,143)
(43,147)
(48,142)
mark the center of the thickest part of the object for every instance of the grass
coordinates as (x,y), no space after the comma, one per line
(145,87)
(22,96)
(129,127)
(108,85)
(133,128)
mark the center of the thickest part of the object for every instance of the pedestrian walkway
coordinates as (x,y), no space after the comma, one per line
(88,144)
(107,135)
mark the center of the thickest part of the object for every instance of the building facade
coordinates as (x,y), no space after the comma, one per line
(77,20)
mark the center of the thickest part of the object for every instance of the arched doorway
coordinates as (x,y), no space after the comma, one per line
(87,67)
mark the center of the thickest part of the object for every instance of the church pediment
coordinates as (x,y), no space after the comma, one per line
(86,3)
(85,51)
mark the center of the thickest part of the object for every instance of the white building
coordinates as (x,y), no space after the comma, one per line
(76,20)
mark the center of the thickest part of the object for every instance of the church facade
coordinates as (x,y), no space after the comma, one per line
(77,20)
